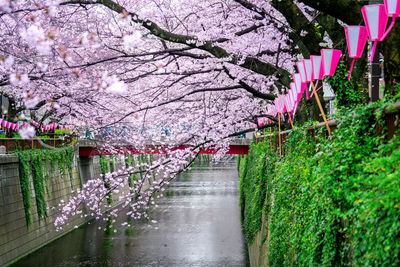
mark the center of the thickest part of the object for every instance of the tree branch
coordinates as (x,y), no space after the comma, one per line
(250,63)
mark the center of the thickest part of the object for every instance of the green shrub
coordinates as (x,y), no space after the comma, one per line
(332,202)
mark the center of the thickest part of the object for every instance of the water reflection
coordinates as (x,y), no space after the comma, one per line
(198,225)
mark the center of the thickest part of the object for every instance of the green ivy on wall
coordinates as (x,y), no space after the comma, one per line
(253,187)
(113,163)
(37,177)
(69,161)
(24,182)
(104,165)
(130,162)
(332,202)
(105,168)
(36,163)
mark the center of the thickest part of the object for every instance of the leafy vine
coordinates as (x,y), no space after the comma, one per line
(36,162)
(105,168)
(24,182)
(37,177)
(332,202)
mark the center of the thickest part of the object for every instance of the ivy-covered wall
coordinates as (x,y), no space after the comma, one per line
(32,183)
(41,165)
(327,202)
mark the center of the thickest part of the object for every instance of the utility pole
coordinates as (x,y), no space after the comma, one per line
(375,67)
(375,76)
(1,106)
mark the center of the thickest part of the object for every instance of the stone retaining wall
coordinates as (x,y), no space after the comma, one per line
(16,238)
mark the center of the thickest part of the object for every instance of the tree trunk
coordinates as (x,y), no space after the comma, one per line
(11,115)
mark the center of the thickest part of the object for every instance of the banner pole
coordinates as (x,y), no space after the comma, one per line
(321,109)
(279,134)
(290,119)
(270,137)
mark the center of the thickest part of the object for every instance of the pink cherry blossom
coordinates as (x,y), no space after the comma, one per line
(141,73)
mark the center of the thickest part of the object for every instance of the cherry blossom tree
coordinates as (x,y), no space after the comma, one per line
(206,70)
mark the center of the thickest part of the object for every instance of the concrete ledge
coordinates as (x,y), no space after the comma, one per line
(6,159)
(241,141)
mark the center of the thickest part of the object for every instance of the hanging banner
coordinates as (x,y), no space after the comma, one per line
(356,38)
(330,60)
(375,19)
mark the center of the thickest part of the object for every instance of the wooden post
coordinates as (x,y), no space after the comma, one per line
(291,122)
(270,138)
(279,134)
(264,134)
(321,109)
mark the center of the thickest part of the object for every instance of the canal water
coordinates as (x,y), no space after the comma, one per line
(198,224)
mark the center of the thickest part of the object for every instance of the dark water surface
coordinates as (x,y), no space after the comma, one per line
(198,224)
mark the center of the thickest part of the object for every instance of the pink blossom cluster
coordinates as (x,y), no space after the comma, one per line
(145,72)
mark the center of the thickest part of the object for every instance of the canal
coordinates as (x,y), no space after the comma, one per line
(195,223)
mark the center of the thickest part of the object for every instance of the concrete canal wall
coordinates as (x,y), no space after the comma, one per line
(17,239)
(258,249)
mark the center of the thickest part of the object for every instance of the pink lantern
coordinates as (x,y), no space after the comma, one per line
(300,67)
(392,8)
(293,89)
(296,98)
(356,37)
(281,104)
(317,68)
(375,18)
(308,72)
(271,110)
(303,75)
(277,105)
(289,106)
(330,60)
(260,121)
(299,84)
(291,99)
(288,103)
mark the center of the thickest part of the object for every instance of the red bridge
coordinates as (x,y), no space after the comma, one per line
(88,148)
